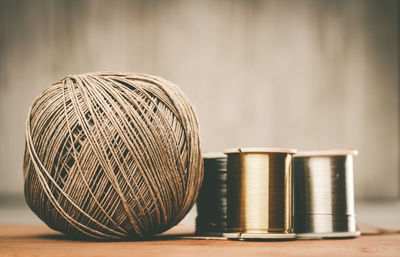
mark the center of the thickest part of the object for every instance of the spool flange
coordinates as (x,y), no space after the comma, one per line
(257,236)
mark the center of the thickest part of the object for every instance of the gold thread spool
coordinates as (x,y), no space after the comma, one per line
(259,194)
(324,194)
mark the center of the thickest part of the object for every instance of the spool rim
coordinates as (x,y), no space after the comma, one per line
(348,234)
(332,152)
(260,150)
(260,235)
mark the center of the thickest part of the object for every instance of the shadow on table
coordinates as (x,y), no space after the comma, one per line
(62,237)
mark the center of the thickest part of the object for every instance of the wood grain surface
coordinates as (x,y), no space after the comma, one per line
(38,240)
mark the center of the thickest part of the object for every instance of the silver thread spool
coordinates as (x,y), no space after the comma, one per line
(211,202)
(260,194)
(324,194)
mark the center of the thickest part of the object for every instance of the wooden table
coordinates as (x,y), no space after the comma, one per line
(38,240)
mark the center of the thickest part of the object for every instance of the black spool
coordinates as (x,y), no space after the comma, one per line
(212,201)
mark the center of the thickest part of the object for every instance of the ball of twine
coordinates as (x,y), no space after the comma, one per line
(112,156)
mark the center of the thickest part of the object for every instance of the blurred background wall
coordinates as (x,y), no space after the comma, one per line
(300,74)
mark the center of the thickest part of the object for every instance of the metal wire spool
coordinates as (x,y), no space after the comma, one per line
(259,194)
(324,194)
(211,203)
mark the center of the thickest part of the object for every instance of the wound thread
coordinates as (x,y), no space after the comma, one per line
(260,193)
(324,194)
(212,200)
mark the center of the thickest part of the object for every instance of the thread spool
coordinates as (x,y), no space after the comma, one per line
(324,194)
(259,194)
(211,203)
